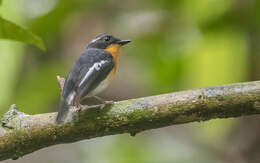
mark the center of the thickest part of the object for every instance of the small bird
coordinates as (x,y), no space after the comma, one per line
(91,73)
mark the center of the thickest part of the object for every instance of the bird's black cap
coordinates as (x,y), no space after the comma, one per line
(104,40)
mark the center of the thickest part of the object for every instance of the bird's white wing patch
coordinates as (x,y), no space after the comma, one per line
(96,66)
(71,97)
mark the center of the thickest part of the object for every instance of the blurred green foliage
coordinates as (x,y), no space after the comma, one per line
(176,45)
(11,31)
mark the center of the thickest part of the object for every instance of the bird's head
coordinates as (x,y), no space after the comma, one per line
(105,41)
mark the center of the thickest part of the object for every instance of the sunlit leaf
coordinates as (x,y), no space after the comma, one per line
(11,31)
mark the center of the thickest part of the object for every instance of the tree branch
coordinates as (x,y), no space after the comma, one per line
(21,134)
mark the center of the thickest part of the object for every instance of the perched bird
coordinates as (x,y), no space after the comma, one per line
(91,73)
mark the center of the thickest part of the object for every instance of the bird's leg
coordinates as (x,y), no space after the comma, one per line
(104,101)
(78,104)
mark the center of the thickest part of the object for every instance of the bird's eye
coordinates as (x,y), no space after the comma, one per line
(107,38)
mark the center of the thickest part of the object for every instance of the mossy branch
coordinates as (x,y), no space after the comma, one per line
(21,134)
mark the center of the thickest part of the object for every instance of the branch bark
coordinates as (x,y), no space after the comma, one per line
(21,134)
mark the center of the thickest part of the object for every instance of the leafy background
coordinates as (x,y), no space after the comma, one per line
(176,45)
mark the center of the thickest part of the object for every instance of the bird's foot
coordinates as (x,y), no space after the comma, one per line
(79,107)
(98,106)
(108,102)
(104,103)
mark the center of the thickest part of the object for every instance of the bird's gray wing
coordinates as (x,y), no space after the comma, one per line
(91,77)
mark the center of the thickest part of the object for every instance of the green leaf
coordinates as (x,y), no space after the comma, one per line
(11,31)
(0,2)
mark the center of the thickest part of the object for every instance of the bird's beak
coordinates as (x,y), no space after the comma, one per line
(123,42)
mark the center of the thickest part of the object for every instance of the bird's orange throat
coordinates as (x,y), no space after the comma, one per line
(114,50)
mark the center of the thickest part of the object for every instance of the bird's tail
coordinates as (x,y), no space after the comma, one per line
(63,111)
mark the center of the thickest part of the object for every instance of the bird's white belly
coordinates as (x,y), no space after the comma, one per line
(103,85)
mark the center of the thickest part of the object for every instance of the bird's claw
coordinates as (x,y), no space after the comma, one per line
(109,102)
(79,107)
(106,103)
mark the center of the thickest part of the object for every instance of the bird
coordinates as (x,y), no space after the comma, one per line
(91,73)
